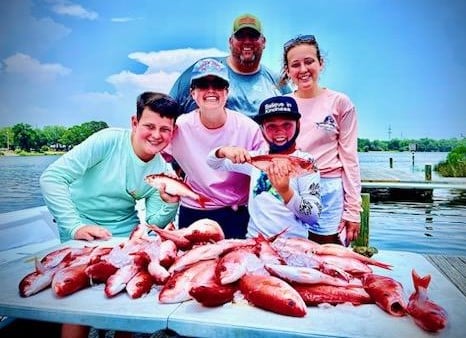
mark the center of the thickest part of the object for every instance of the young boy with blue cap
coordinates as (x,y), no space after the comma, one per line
(278,201)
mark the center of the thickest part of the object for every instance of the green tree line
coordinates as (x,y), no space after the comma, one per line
(23,137)
(423,144)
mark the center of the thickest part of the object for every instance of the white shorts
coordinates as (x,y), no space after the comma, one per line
(331,193)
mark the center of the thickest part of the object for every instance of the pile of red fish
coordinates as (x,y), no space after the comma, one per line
(279,274)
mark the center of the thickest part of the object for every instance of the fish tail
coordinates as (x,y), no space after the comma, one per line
(40,268)
(420,282)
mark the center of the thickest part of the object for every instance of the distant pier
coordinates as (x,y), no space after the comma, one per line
(395,184)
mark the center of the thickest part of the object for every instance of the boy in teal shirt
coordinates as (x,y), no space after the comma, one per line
(92,190)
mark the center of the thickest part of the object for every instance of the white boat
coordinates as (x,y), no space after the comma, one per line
(25,232)
(28,231)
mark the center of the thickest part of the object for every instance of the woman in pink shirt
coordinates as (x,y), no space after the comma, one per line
(197,133)
(329,132)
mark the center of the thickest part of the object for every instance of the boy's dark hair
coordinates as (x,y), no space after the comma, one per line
(159,103)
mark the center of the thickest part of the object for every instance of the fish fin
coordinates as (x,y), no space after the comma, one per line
(170,226)
(274,237)
(202,200)
(420,282)
(167,157)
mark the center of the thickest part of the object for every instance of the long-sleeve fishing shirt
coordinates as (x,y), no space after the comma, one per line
(329,132)
(269,215)
(98,183)
(191,144)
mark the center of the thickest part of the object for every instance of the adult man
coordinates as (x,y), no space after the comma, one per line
(250,81)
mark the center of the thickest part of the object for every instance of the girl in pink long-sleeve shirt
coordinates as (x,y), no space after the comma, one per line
(197,133)
(329,132)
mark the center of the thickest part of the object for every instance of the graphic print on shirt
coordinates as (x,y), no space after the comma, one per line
(263,185)
(327,124)
(306,207)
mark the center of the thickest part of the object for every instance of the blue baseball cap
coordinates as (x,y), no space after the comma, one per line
(208,66)
(277,106)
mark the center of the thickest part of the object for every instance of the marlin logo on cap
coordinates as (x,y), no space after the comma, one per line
(209,64)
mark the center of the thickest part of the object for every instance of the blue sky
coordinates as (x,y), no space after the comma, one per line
(402,62)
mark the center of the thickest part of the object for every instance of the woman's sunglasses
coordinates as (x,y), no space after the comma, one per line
(308,38)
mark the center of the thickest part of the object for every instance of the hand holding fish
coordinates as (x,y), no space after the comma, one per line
(91,232)
(173,186)
(167,197)
(279,175)
(352,230)
(234,154)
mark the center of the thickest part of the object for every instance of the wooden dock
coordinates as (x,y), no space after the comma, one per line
(395,184)
(452,267)
(395,178)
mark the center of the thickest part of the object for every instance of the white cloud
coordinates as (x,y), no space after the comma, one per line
(71,9)
(163,68)
(173,60)
(126,81)
(31,68)
(123,19)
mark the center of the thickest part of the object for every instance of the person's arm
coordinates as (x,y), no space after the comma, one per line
(56,179)
(348,153)
(159,212)
(306,203)
(230,159)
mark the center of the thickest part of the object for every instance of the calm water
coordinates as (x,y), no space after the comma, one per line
(437,227)
(19,181)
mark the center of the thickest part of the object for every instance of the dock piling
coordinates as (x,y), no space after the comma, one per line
(363,238)
(428,172)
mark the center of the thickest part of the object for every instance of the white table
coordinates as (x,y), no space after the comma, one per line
(91,307)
